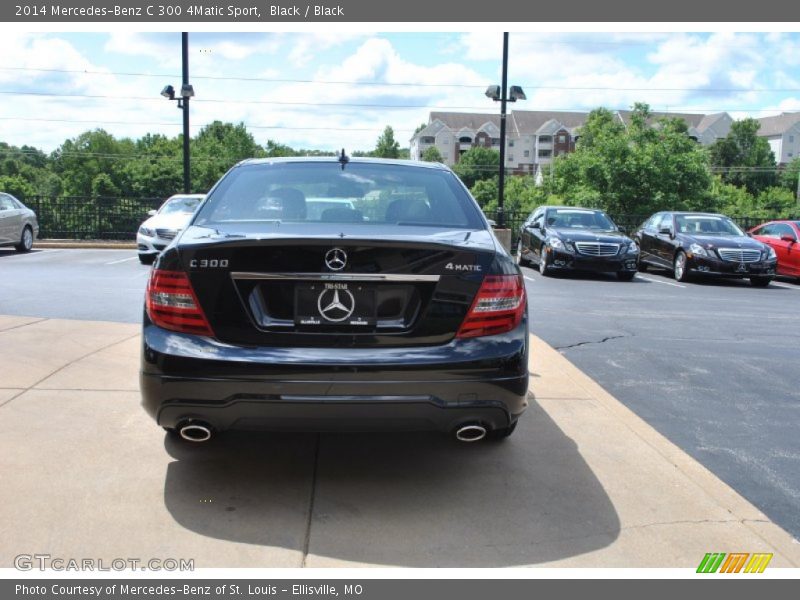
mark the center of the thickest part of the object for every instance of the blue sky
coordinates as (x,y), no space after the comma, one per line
(339,89)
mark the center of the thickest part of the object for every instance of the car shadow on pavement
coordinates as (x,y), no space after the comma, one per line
(408,499)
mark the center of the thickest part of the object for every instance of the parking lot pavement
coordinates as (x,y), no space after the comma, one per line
(583,481)
(711,365)
(96,284)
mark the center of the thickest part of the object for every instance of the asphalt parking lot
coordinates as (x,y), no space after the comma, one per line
(709,366)
(712,365)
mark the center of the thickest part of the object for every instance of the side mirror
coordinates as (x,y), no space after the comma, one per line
(665,231)
(787,237)
(622,229)
(749,234)
(152,213)
(492,222)
(536,225)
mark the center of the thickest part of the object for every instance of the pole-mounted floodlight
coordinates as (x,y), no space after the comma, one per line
(187,91)
(498,93)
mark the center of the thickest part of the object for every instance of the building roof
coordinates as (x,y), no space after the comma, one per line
(708,120)
(530,121)
(691,119)
(459,120)
(778,125)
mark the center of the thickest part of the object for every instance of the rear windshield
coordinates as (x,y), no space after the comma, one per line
(323,192)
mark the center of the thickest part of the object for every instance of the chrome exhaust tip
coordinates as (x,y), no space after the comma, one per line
(471,433)
(195,432)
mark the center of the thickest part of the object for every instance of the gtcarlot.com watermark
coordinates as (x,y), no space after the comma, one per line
(44,562)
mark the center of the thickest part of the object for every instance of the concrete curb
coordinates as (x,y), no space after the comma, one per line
(85,244)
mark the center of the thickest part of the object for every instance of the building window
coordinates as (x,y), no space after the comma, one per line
(527,153)
(465,140)
(791,154)
(562,139)
(495,141)
(428,139)
(510,143)
(545,153)
(510,158)
(545,139)
(791,139)
(446,141)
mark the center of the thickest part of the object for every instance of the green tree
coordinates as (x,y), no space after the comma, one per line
(641,169)
(476,164)
(273,148)
(744,158)
(78,161)
(790,176)
(217,147)
(432,154)
(387,146)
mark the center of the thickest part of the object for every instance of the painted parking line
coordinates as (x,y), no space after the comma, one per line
(531,279)
(122,260)
(33,253)
(785,286)
(659,281)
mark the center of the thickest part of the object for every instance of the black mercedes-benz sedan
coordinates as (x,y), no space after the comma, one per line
(565,238)
(708,244)
(336,294)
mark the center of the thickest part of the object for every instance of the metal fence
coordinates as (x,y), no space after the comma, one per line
(87,218)
(115,218)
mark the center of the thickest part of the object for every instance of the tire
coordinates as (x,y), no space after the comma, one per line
(147,259)
(679,268)
(544,268)
(760,281)
(498,435)
(26,241)
(626,275)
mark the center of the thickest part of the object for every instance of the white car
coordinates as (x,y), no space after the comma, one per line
(160,229)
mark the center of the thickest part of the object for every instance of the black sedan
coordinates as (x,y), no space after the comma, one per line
(397,309)
(706,244)
(562,238)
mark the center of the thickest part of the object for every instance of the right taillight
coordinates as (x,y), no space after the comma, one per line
(498,307)
(172,304)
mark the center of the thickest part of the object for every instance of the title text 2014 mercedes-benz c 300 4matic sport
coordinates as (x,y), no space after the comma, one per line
(397,309)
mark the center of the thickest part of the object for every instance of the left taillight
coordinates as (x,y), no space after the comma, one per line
(172,304)
(498,307)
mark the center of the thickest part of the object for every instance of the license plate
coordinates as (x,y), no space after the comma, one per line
(334,304)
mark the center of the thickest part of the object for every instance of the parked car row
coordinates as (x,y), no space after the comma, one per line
(564,238)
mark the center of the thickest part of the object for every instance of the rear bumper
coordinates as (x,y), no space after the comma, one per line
(187,377)
(567,261)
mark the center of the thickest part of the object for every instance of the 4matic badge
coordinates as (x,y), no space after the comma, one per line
(456,267)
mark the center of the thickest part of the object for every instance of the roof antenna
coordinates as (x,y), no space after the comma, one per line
(343,159)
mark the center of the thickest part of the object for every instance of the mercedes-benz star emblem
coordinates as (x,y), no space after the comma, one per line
(336,259)
(336,305)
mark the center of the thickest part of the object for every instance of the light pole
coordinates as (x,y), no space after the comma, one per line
(500,93)
(187,91)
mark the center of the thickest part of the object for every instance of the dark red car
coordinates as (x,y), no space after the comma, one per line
(783,237)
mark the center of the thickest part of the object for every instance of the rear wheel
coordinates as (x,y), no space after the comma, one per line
(760,281)
(544,268)
(26,241)
(679,267)
(626,275)
(147,259)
